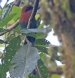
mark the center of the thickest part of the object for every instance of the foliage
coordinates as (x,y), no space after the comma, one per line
(21,60)
(28,55)
(4,21)
(26,63)
(11,49)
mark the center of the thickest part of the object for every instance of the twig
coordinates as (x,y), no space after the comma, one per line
(11,28)
(33,13)
(2,41)
(38,71)
(2,56)
(57,70)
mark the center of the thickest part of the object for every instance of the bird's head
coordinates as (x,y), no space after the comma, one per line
(27,8)
(26,13)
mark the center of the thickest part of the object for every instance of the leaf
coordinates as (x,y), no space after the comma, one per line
(42,69)
(41,45)
(2,45)
(16,10)
(33,76)
(18,27)
(55,76)
(37,16)
(0,54)
(36,35)
(41,42)
(41,55)
(23,66)
(42,49)
(2,30)
(41,25)
(11,49)
(53,52)
(9,37)
(38,22)
(43,30)
(11,22)
(6,20)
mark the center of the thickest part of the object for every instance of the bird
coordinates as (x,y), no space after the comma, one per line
(24,18)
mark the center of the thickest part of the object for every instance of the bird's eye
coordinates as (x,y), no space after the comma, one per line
(28,8)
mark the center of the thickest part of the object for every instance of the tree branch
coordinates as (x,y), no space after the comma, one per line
(11,28)
(57,70)
(38,71)
(2,41)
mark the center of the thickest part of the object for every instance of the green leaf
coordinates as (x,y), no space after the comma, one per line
(54,51)
(2,30)
(37,16)
(41,54)
(9,37)
(0,54)
(41,25)
(26,63)
(36,35)
(42,69)
(41,42)
(18,27)
(38,21)
(11,49)
(55,76)
(6,20)
(41,45)
(33,76)
(42,49)
(16,10)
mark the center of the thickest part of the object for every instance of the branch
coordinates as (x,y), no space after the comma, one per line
(16,2)
(38,71)
(57,70)
(33,12)
(11,28)
(2,56)
(2,41)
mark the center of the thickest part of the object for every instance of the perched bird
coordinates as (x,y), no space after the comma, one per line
(24,18)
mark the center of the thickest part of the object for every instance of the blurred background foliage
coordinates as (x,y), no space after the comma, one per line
(57,15)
